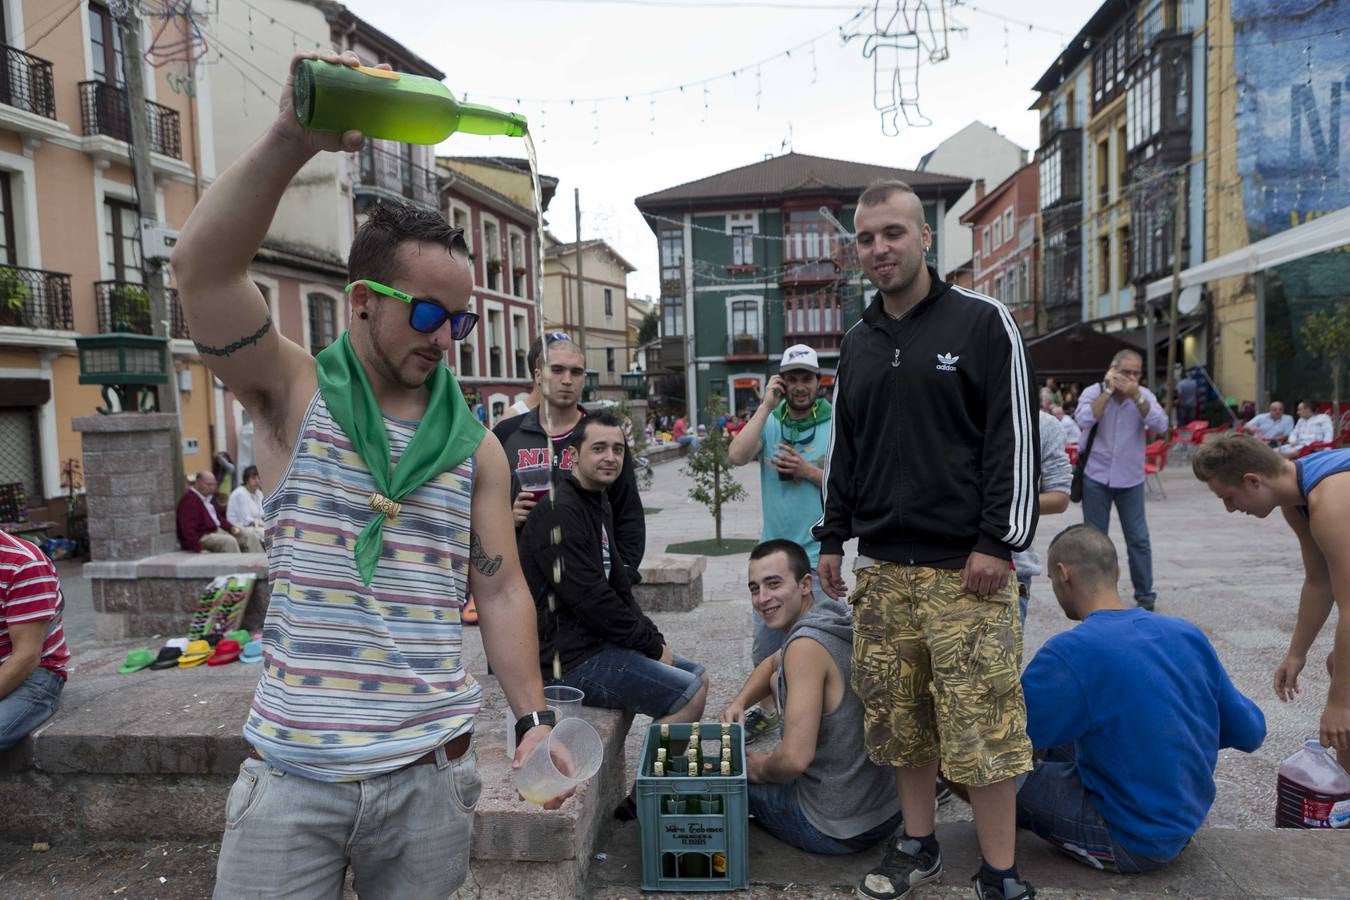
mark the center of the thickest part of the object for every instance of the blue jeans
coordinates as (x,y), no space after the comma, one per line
(618,678)
(766,641)
(1053,804)
(1097,500)
(29,705)
(775,807)
(404,834)
(1023,596)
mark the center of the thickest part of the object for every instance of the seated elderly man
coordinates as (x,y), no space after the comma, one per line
(1072,433)
(1272,427)
(1133,708)
(203,526)
(1311,428)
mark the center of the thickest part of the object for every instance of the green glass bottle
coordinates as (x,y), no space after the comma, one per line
(390,105)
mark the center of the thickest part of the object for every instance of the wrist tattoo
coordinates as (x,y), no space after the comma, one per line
(479,557)
(238,345)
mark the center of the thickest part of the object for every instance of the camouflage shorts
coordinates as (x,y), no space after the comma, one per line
(938,672)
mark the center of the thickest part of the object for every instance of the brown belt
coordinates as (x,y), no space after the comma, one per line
(453,750)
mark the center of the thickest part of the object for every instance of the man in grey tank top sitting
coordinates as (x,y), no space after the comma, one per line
(817,790)
(387,503)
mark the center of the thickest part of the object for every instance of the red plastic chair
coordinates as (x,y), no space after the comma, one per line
(1155,460)
(1185,431)
(1199,435)
(1314,447)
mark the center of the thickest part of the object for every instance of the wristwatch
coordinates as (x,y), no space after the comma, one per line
(530,720)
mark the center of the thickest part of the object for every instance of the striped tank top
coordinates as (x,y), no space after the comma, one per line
(360,680)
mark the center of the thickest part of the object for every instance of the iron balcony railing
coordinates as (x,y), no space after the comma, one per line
(392,172)
(745,345)
(26,82)
(106,109)
(125,306)
(32,298)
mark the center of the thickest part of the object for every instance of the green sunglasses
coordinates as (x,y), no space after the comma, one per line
(425,316)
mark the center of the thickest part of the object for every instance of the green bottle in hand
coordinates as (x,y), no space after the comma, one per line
(389,105)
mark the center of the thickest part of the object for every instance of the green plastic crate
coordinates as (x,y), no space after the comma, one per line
(674,842)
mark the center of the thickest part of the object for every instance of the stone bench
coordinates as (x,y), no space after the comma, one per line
(660,453)
(158,594)
(671,582)
(152,755)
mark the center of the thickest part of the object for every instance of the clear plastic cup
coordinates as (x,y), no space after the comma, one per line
(534,480)
(564,700)
(570,756)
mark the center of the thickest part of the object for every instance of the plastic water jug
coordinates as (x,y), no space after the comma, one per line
(1313,791)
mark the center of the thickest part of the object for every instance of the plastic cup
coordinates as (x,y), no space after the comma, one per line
(534,480)
(564,700)
(570,756)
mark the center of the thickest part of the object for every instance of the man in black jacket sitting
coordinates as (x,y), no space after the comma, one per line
(593,636)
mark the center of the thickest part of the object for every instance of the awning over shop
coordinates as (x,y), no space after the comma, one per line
(1317,236)
(1075,353)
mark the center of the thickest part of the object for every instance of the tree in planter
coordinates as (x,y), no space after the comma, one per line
(1326,333)
(14,294)
(710,467)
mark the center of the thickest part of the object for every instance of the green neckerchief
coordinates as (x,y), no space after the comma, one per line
(820,413)
(447,435)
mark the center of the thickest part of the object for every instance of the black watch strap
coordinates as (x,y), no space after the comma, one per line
(530,720)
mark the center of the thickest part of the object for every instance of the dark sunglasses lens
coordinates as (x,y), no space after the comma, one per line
(461,324)
(426,317)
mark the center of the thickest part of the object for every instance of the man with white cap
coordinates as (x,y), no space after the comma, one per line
(790,433)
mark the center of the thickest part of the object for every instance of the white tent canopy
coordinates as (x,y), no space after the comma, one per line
(1324,233)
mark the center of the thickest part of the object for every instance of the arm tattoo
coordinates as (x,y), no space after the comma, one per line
(478,556)
(240,344)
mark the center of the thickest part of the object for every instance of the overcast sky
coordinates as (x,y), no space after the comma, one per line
(617,150)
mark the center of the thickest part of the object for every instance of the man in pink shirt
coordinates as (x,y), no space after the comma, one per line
(1122,412)
(33,652)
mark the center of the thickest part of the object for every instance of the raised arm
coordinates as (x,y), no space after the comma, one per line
(745,445)
(226,314)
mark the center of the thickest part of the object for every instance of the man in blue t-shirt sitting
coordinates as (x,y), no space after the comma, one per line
(1130,773)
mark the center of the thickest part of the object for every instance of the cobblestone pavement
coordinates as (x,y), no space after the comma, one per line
(1235,577)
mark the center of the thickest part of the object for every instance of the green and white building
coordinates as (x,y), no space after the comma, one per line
(759,258)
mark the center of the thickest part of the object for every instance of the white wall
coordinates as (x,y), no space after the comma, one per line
(316,211)
(976,151)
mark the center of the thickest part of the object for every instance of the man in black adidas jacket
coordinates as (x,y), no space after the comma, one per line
(937,638)
(559,376)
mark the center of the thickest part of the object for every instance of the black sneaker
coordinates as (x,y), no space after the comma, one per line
(944,793)
(906,865)
(1011,890)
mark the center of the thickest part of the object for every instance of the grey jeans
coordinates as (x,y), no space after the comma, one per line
(405,834)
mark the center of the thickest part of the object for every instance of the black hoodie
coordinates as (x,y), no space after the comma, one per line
(934,452)
(592,608)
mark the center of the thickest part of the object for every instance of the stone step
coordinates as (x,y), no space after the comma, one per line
(151,756)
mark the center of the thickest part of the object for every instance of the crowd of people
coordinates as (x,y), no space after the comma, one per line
(399,505)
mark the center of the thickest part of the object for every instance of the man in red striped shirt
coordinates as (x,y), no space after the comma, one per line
(33,652)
